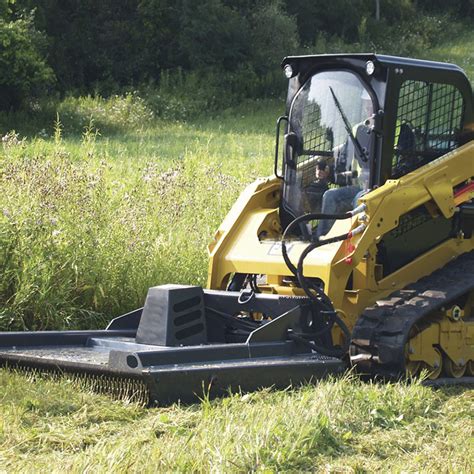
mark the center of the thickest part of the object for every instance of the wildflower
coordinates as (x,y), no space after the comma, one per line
(11,139)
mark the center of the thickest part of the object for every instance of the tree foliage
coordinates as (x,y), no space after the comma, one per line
(24,71)
(90,45)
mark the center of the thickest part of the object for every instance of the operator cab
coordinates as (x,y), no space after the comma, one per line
(354,121)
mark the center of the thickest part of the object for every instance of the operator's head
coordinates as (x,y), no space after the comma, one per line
(322,169)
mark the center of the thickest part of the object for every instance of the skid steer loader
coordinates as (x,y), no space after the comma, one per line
(359,250)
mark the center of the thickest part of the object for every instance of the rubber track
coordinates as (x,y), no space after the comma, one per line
(381,332)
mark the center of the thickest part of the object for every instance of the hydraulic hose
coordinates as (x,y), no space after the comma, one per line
(313,217)
(327,351)
(299,220)
(239,323)
(314,292)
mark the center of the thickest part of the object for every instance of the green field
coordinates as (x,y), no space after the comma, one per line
(458,50)
(108,201)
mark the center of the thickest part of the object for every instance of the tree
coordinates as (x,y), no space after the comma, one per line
(214,34)
(273,35)
(23,69)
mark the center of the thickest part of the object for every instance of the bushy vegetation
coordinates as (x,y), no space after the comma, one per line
(173,50)
(102,47)
(24,70)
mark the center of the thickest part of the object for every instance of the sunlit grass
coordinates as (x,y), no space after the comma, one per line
(458,50)
(337,426)
(89,223)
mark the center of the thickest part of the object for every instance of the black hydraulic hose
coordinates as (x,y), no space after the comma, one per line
(307,218)
(239,322)
(303,281)
(309,288)
(327,351)
(327,326)
(252,279)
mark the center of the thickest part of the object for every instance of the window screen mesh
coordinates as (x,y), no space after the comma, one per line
(316,136)
(317,139)
(429,120)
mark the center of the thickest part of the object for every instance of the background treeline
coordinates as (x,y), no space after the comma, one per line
(233,47)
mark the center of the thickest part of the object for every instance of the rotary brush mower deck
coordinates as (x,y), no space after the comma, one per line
(184,343)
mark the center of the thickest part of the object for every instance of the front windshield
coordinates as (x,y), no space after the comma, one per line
(330,118)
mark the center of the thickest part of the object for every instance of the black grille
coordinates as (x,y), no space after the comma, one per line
(429,121)
(316,136)
(317,141)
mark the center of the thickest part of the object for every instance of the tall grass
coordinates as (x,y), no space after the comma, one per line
(87,225)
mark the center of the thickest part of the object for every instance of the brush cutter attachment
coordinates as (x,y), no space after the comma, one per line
(184,343)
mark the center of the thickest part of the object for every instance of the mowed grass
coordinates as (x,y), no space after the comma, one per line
(337,426)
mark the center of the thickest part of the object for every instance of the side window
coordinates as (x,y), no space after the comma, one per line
(429,121)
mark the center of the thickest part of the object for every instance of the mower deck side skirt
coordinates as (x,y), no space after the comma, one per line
(188,383)
(187,379)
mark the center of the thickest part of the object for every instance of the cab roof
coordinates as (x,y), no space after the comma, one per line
(386,67)
(382,59)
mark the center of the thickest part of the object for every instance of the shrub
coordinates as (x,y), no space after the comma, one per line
(114,114)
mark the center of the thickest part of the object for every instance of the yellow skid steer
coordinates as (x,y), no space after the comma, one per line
(359,250)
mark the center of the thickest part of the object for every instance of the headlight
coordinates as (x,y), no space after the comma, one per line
(369,67)
(288,70)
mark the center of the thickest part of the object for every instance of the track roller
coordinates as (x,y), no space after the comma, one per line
(453,370)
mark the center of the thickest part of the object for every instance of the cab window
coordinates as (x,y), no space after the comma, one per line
(429,124)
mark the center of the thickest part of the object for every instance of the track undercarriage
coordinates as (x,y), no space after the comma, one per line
(428,325)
